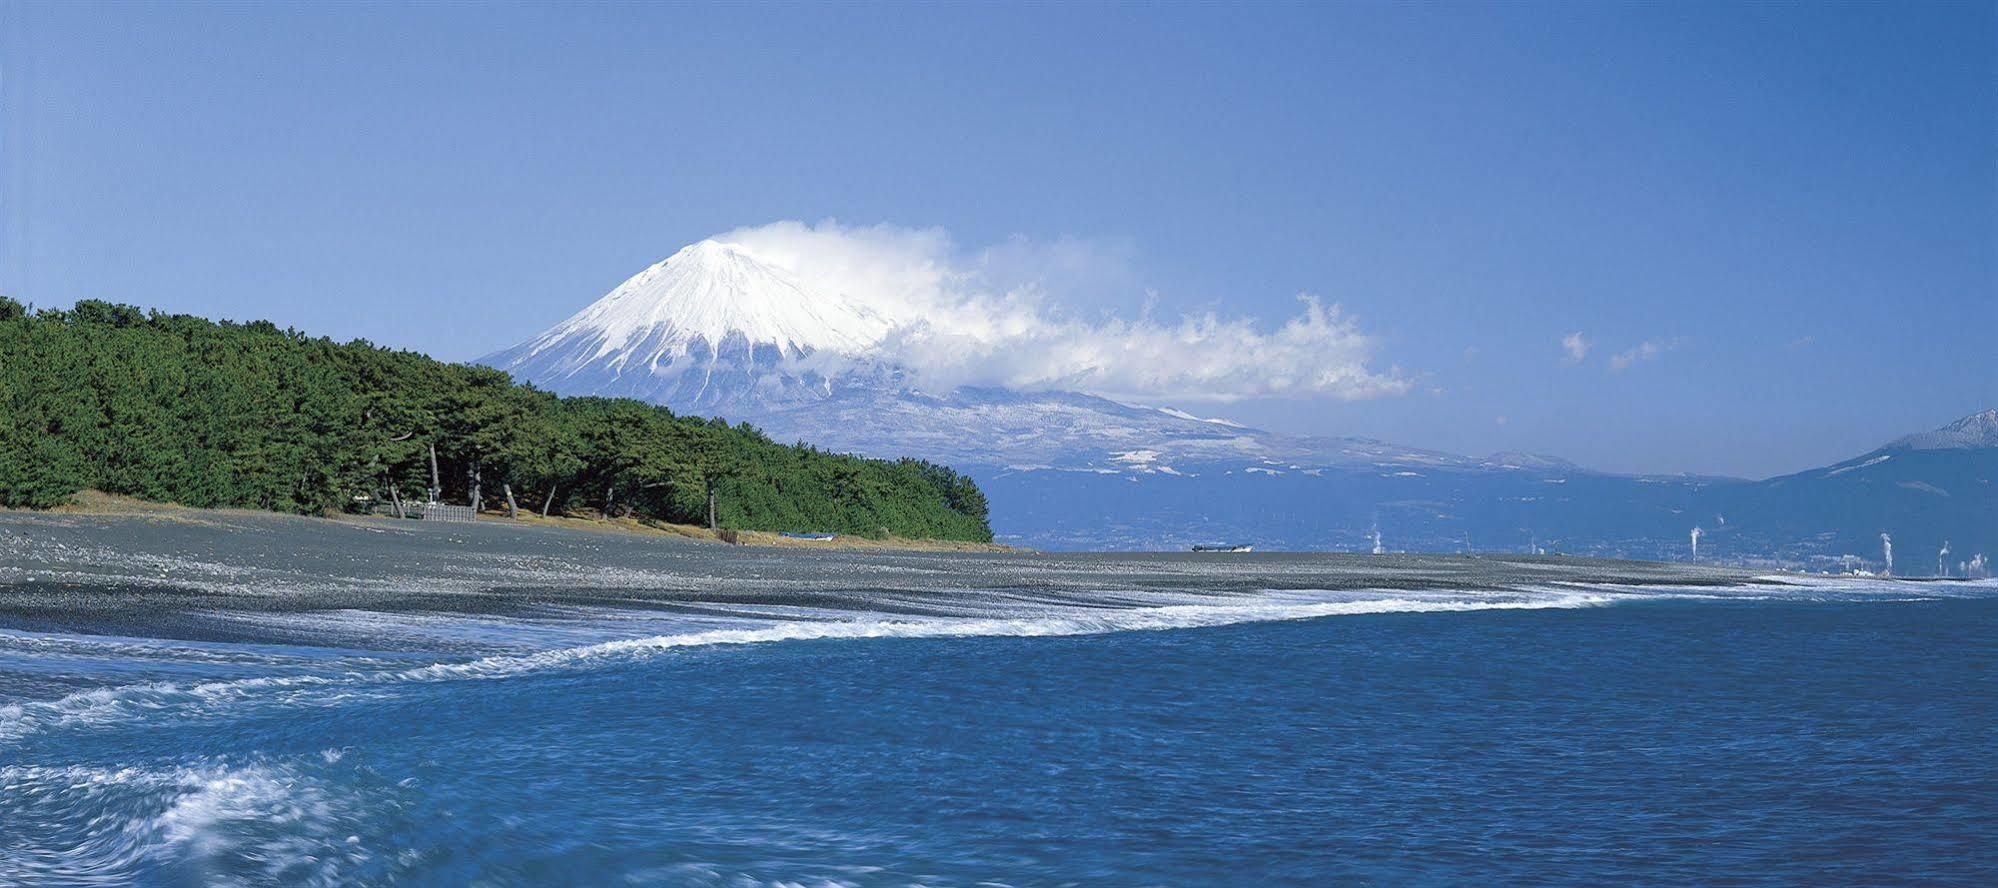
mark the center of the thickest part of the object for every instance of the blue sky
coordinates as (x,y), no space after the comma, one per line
(1793,204)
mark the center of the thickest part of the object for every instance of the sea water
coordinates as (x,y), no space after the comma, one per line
(1799,733)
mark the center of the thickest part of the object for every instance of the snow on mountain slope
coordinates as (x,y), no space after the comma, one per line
(1508,459)
(1002,428)
(1976,430)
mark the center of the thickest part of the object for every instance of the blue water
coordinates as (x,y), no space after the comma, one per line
(1645,740)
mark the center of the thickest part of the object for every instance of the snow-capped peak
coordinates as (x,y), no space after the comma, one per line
(703,296)
(1177,413)
(1976,430)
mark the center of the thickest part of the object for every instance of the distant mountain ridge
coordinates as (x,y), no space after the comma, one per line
(1976,430)
(717,330)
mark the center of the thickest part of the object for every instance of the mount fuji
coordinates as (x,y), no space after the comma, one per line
(717,330)
(709,329)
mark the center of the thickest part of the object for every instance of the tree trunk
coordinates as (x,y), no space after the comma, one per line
(396,500)
(610,496)
(472,476)
(550,501)
(711,509)
(512,510)
(435,490)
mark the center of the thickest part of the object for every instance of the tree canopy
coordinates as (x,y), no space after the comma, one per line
(176,408)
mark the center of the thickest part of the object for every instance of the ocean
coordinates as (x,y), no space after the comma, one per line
(1146,720)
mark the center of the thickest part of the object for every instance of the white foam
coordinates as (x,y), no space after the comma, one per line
(1184,616)
(202,810)
(110,704)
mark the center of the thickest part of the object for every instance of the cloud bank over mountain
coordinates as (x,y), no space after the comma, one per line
(1011,315)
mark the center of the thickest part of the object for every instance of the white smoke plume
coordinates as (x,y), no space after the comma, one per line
(1006,315)
(1696,543)
(1887,549)
(1942,560)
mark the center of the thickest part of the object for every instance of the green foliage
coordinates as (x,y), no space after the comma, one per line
(180,409)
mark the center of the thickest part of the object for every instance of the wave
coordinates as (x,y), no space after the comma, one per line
(1106,614)
(99,826)
(1177,616)
(110,704)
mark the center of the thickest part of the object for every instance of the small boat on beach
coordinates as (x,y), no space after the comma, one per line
(816,536)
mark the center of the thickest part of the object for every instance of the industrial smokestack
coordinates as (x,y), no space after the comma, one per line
(1887,551)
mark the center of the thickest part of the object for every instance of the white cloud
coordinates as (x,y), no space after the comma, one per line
(1010,315)
(1575,347)
(1643,351)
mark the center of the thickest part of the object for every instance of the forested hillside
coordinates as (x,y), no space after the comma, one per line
(181,409)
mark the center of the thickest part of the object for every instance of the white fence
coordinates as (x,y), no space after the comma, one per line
(441,512)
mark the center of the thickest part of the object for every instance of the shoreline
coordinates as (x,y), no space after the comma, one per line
(141,564)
